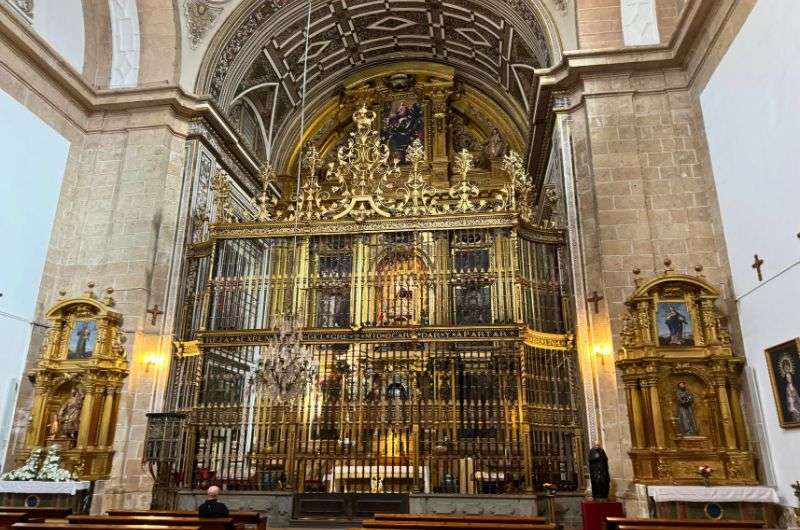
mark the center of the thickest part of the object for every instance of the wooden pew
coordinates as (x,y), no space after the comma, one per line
(68,526)
(9,518)
(38,514)
(615,523)
(673,527)
(219,523)
(454,525)
(239,517)
(463,518)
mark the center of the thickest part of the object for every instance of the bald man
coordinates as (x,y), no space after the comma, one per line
(212,507)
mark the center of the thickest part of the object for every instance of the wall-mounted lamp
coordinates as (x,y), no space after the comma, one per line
(601,351)
(152,361)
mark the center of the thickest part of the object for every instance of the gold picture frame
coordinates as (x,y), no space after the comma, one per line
(783,365)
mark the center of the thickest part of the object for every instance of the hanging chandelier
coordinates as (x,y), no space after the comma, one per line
(286,366)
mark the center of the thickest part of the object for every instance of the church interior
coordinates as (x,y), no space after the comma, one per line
(473,264)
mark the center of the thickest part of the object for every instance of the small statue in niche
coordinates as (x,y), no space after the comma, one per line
(69,415)
(494,147)
(687,424)
(598,472)
(53,427)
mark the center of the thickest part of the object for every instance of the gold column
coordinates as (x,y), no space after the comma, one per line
(738,420)
(655,410)
(637,414)
(441,162)
(38,421)
(725,415)
(105,438)
(86,424)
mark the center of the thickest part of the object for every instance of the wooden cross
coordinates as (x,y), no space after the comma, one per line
(757,266)
(595,299)
(154,312)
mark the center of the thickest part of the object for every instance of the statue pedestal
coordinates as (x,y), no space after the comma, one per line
(595,512)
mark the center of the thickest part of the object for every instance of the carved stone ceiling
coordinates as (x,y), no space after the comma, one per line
(494,42)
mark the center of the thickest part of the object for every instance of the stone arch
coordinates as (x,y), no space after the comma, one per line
(494,46)
(98,55)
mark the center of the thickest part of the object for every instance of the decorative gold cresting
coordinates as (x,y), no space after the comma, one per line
(418,197)
(364,171)
(465,192)
(221,187)
(266,202)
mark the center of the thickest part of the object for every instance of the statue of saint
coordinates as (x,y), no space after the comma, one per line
(687,424)
(598,472)
(494,147)
(69,415)
(53,427)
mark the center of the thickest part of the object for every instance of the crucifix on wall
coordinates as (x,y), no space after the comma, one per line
(595,299)
(757,264)
(154,313)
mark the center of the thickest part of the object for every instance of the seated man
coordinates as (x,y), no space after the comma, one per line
(212,507)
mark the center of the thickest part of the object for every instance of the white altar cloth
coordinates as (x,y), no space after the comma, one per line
(344,473)
(713,494)
(33,487)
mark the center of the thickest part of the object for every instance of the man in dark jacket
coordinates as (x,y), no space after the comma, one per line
(212,507)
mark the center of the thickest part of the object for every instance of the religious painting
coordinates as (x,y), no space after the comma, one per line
(403,122)
(473,305)
(82,340)
(783,363)
(674,323)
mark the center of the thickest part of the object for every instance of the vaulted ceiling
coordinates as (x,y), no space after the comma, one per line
(257,58)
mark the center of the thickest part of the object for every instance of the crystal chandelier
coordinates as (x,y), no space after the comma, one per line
(286,366)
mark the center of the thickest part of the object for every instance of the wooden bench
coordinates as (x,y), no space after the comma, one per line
(219,523)
(463,518)
(239,517)
(454,525)
(38,514)
(720,526)
(615,523)
(68,526)
(9,518)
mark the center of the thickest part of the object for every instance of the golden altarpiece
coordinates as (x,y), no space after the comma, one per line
(433,295)
(682,383)
(77,382)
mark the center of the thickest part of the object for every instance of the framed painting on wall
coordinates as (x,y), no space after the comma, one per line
(783,364)
(82,340)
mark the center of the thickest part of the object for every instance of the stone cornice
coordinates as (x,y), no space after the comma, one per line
(59,80)
(696,32)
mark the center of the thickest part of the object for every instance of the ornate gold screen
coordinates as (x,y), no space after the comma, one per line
(437,307)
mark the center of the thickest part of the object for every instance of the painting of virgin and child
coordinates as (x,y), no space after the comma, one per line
(674,325)
(403,122)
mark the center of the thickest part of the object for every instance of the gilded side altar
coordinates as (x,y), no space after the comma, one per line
(77,383)
(682,384)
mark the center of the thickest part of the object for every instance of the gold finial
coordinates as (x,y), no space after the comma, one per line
(109,300)
(62,293)
(668,266)
(637,271)
(90,285)
(698,269)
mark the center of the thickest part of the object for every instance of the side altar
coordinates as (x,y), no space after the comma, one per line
(682,384)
